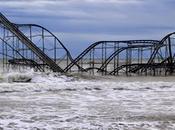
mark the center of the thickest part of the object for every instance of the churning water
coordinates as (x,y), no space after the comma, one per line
(55,102)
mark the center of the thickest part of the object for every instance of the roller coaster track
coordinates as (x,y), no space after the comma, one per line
(69,57)
(35,46)
(132,44)
(165,42)
(159,46)
(129,47)
(157,59)
(124,66)
(87,50)
(22,58)
(11,27)
(81,56)
(138,66)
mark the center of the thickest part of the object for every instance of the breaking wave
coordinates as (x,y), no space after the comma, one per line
(34,100)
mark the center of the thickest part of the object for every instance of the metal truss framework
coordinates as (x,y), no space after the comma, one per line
(113,57)
(30,45)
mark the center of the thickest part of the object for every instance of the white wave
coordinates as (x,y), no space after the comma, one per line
(52,101)
(33,77)
(50,78)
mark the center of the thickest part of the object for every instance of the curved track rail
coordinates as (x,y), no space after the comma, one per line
(47,42)
(107,51)
(35,46)
(164,55)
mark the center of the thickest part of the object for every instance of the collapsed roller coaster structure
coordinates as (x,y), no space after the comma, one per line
(30,45)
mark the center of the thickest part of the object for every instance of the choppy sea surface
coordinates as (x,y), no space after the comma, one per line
(57,102)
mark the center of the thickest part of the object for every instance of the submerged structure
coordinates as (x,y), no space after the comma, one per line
(33,46)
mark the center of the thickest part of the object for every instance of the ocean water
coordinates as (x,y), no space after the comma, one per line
(57,102)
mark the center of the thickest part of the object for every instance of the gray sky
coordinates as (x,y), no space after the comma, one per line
(79,23)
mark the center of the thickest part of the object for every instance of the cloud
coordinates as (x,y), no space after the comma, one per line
(115,1)
(95,19)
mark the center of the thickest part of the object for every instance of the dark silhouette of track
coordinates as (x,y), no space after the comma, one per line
(10,26)
(31,45)
(114,48)
(45,35)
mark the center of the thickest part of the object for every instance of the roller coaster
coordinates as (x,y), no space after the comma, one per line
(33,46)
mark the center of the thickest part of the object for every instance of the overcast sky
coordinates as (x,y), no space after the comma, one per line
(79,23)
